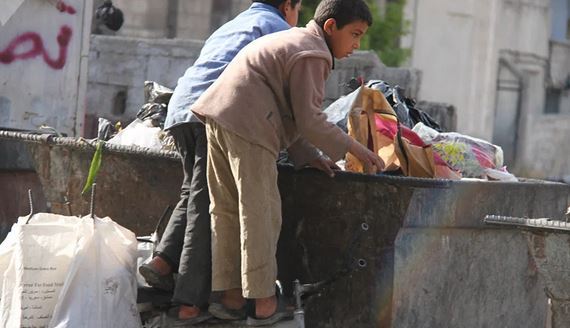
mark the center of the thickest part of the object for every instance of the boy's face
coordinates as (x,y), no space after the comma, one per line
(345,40)
(290,12)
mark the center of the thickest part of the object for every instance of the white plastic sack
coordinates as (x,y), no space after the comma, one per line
(465,154)
(138,134)
(101,288)
(68,272)
(145,249)
(38,257)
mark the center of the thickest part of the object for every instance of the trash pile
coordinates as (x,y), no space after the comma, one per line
(409,141)
(147,129)
(376,114)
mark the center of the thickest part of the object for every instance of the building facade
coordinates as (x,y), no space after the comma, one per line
(185,19)
(504,64)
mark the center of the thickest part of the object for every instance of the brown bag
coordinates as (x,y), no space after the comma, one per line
(397,152)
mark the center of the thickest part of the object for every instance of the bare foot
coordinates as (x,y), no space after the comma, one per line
(233,299)
(265,307)
(188,312)
(160,265)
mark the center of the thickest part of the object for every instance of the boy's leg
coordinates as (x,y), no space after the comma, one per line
(260,220)
(254,171)
(167,255)
(193,284)
(224,214)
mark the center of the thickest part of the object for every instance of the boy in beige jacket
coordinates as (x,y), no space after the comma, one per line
(269,98)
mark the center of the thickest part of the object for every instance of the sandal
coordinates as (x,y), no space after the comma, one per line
(219,311)
(281,313)
(155,279)
(176,322)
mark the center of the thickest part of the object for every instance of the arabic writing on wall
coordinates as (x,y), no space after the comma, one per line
(29,45)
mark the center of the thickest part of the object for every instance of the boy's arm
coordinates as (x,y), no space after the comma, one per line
(302,152)
(306,90)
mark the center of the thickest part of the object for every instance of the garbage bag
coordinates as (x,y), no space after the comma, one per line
(417,115)
(373,123)
(408,114)
(63,271)
(394,97)
(139,133)
(465,154)
(337,112)
(105,129)
(41,254)
(101,287)
(156,103)
(109,15)
(405,108)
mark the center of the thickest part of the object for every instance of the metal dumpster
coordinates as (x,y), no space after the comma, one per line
(327,223)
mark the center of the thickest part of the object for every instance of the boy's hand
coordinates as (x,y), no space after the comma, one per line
(371,162)
(325,164)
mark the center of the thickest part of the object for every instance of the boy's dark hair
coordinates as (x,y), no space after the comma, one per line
(277,3)
(343,11)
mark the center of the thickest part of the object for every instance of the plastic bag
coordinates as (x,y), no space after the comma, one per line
(109,15)
(68,272)
(101,287)
(467,155)
(139,133)
(105,129)
(40,256)
(156,98)
(395,99)
(408,114)
(145,249)
(337,112)
(405,108)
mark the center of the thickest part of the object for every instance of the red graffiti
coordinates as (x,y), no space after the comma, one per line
(10,54)
(65,8)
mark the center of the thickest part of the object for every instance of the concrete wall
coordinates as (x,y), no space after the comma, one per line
(545,153)
(367,65)
(560,12)
(118,67)
(453,45)
(187,19)
(43,62)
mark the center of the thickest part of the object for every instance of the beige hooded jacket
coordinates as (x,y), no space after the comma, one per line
(271,95)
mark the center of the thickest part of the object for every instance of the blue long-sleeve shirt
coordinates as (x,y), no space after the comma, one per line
(220,48)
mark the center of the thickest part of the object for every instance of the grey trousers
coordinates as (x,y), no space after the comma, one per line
(186,242)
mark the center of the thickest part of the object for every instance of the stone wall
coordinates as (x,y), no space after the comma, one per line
(118,67)
(186,19)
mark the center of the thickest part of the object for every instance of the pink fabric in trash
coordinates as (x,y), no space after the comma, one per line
(389,128)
